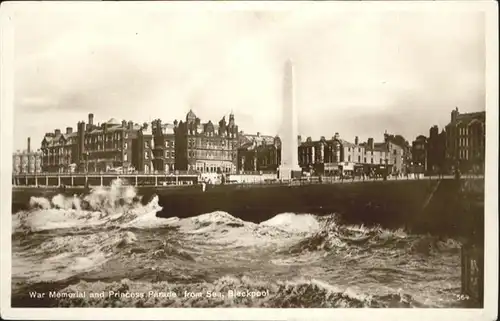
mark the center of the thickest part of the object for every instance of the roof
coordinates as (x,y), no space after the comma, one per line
(190,115)
(98,130)
(259,139)
(381,147)
(469,118)
(167,129)
(114,121)
(346,143)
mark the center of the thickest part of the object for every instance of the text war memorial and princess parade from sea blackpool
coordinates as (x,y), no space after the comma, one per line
(267,168)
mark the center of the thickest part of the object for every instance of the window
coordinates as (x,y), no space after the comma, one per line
(359,159)
(125,157)
(372,160)
(145,155)
(349,158)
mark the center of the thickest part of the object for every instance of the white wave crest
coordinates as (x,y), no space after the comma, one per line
(39,202)
(294,223)
(118,205)
(224,229)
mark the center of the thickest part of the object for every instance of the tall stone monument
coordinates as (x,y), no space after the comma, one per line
(289,136)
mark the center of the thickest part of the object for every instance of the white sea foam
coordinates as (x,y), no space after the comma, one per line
(118,204)
(39,202)
(294,223)
(224,229)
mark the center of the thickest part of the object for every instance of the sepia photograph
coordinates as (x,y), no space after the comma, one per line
(257,160)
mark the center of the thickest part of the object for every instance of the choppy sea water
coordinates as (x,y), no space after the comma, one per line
(106,249)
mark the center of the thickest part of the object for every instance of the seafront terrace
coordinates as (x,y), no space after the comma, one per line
(51,180)
(100,179)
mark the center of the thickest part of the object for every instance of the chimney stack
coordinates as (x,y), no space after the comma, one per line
(356,140)
(454,115)
(29,144)
(69,130)
(371,145)
(124,123)
(91,119)
(57,132)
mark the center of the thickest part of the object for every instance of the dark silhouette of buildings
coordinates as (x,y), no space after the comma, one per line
(436,151)
(419,154)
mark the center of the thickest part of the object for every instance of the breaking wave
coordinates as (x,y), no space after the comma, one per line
(116,205)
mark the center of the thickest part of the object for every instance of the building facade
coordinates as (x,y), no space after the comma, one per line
(107,146)
(206,147)
(465,141)
(436,151)
(27,161)
(337,155)
(112,145)
(400,153)
(258,153)
(419,154)
(142,150)
(163,146)
(60,151)
(330,156)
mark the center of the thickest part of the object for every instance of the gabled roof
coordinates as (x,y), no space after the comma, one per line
(347,144)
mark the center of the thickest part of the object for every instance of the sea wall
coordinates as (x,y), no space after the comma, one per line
(446,207)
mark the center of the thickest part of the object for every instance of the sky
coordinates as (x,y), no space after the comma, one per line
(358,73)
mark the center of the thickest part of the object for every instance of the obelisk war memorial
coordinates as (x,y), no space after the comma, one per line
(289,167)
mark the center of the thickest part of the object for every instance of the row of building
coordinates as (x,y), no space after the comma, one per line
(190,145)
(461,144)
